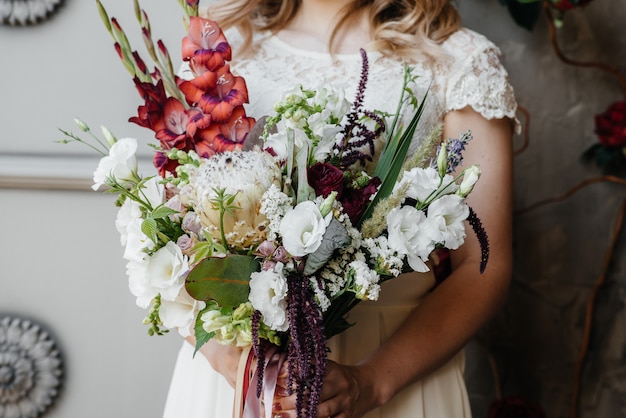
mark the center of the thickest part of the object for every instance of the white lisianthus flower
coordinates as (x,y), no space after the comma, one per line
(447,214)
(302,229)
(245,174)
(422,182)
(268,292)
(153,191)
(470,177)
(128,213)
(166,271)
(136,241)
(181,312)
(410,234)
(138,282)
(121,163)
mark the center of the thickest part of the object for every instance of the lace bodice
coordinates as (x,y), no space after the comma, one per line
(472,76)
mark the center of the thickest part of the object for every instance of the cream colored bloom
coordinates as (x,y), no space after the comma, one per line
(246,174)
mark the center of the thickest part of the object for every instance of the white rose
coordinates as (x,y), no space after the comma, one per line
(268,290)
(166,270)
(302,229)
(410,234)
(121,163)
(447,214)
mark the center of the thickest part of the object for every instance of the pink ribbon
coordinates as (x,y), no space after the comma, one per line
(252,405)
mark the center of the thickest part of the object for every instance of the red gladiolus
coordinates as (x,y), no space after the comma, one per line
(228,93)
(150,115)
(326,178)
(164,165)
(221,137)
(175,120)
(611,125)
(206,41)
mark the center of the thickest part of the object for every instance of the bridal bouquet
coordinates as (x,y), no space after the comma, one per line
(266,232)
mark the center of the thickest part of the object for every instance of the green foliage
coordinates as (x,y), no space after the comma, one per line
(222,279)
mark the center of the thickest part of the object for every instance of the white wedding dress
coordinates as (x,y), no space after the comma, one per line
(474,77)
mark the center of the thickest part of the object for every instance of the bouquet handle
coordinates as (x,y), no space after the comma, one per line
(243,381)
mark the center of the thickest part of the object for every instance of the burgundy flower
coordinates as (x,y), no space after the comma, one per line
(611,125)
(326,178)
(355,201)
(565,5)
(513,407)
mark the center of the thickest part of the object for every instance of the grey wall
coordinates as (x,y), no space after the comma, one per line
(559,248)
(61,259)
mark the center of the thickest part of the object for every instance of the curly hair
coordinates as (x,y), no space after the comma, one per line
(400,27)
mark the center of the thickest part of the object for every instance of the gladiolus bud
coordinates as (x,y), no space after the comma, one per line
(111,139)
(442,160)
(81,125)
(470,177)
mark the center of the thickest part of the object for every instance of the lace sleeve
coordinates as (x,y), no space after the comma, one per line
(481,82)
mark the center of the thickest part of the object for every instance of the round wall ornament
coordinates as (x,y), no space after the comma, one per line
(31,369)
(27,12)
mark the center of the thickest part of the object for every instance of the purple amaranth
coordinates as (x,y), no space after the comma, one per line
(481,234)
(306,352)
(355,133)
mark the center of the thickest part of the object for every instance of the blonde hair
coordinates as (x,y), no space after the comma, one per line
(400,27)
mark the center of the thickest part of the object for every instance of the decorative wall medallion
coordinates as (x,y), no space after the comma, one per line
(30,369)
(27,12)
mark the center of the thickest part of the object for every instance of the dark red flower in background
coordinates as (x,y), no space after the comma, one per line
(326,178)
(611,125)
(565,5)
(515,407)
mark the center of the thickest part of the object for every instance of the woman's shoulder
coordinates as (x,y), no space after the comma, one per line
(466,43)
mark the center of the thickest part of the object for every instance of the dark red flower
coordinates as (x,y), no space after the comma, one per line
(514,407)
(565,5)
(150,114)
(611,125)
(326,178)
(355,201)
(175,120)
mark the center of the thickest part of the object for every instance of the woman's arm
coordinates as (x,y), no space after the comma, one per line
(456,310)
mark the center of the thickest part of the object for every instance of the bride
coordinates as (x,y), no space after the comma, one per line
(403,358)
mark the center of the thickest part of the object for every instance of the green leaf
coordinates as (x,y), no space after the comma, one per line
(202,337)
(222,279)
(149,227)
(162,212)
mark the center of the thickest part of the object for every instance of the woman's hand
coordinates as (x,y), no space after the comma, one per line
(346,393)
(223,358)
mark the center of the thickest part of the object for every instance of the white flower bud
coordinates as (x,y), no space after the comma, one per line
(470,177)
